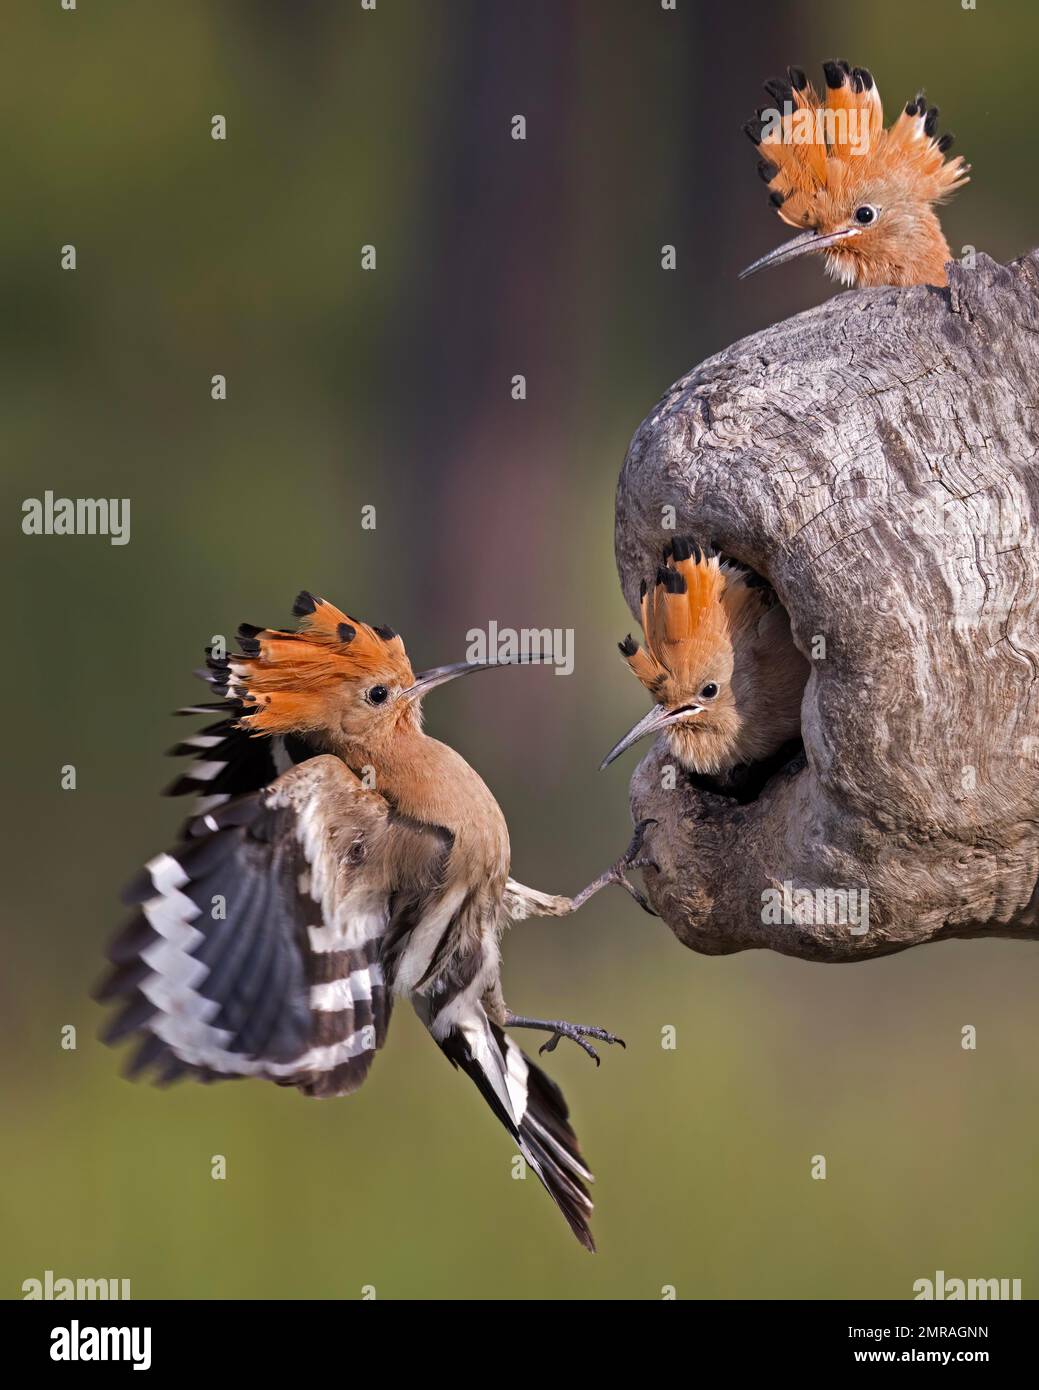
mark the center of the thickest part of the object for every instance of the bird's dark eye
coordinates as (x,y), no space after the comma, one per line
(377,694)
(709,691)
(866,214)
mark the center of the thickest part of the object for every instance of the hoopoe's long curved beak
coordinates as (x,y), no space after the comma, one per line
(440,675)
(658,718)
(798,246)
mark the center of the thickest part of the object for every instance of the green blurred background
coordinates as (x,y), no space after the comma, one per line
(391,388)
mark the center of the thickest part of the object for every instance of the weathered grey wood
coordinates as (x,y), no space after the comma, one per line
(876,458)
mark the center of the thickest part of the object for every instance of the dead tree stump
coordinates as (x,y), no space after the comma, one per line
(877,460)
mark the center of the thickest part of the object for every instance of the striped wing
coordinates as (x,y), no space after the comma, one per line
(228,761)
(256,947)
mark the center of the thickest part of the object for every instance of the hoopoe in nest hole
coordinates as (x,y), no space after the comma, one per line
(720,663)
(354,860)
(861,195)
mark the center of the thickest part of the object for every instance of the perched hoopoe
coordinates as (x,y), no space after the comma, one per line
(719,661)
(340,858)
(862,195)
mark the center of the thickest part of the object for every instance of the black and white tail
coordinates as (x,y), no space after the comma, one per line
(531,1107)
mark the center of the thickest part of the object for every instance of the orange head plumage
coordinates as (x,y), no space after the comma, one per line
(686,627)
(337,680)
(861,195)
(334,676)
(691,617)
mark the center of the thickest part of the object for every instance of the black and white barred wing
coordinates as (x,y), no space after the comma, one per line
(256,947)
(226,759)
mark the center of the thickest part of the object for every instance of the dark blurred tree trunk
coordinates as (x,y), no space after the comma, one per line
(487,306)
(501,288)
(733,52)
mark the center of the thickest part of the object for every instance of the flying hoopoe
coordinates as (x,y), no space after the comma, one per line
(340,858)
(719,661)
(860,194)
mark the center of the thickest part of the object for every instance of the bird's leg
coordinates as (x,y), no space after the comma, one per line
(576,1032)
(524,902)
(528,902)
(632,858)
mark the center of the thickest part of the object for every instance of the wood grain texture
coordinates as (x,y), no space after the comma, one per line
(876,458)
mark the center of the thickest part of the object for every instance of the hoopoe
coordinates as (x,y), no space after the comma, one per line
(340,858)
(862,195)
(719,661)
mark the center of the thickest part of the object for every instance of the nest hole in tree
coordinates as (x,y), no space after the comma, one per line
(745,783)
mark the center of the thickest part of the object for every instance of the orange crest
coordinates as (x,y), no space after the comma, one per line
(284,679)
(684,620)
(861,194)
(813,145)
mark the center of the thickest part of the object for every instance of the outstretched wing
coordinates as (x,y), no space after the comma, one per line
(256,947)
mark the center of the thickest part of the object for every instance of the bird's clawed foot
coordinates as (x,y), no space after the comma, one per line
(580,1033)
(633,858)
(576,1032)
